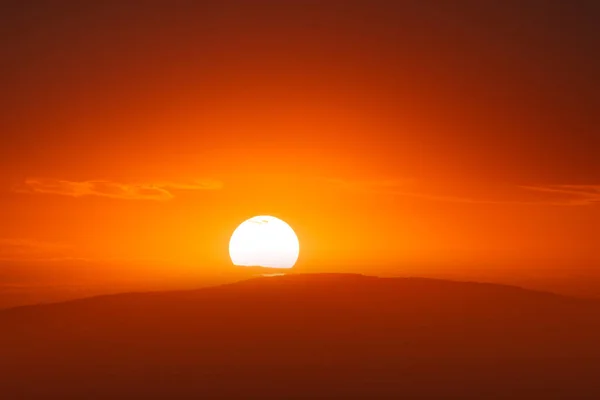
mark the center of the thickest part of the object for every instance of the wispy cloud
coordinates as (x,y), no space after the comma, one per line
(554,195)
(17,248)
(159,191)
(576,195)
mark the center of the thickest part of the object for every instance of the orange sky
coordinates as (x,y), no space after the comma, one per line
(408,138)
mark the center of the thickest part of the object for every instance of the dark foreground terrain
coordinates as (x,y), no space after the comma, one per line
(306,336)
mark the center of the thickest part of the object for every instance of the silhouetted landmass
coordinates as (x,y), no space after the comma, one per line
(306,336)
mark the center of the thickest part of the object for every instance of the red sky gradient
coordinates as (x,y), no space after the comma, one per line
(395,137)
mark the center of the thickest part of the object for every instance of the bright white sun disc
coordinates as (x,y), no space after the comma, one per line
(264,241)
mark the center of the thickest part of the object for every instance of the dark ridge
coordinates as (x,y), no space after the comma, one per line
(335,279)
(306,336)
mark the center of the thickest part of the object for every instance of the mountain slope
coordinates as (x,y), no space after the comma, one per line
(306,335)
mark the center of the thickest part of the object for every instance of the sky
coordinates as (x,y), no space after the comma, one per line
(413,137)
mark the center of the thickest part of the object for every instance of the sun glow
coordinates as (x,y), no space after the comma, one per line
(264,241)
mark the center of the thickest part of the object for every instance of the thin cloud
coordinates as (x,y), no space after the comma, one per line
(576,195)
(11,248)
(552,195)
(161,191)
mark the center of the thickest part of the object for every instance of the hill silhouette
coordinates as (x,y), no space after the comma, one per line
(305,336)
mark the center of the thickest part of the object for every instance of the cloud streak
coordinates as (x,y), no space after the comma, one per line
(16,248)
(160,191)
(551,195)
(575,195)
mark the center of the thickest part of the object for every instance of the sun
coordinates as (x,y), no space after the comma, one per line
(264,241)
